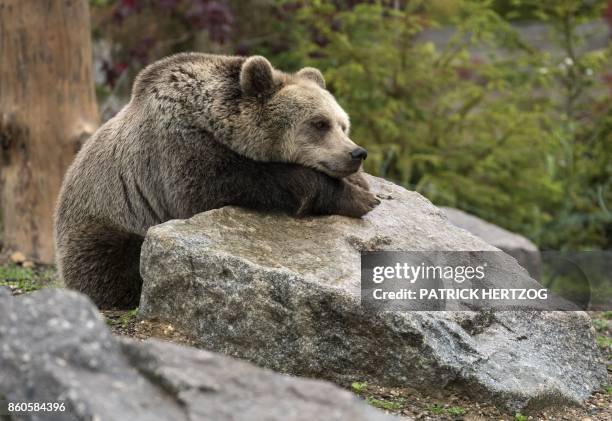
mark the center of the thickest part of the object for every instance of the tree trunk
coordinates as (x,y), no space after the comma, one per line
(47,109)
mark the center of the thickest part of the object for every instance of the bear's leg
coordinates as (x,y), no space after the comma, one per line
(103,263)
(293,188)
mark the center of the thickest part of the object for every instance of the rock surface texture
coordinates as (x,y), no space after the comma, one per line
(54,346)
(524,251)
(285,293)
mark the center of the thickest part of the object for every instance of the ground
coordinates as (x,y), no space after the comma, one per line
(408,403)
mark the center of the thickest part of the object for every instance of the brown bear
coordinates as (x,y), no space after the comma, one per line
(201,132)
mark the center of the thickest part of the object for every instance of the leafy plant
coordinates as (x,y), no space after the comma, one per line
(456,411)
(19,277)
(384,404)
(604,342)
(359,387)
(435,409)
(600,324)
(128,317)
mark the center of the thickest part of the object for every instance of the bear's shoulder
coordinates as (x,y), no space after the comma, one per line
(184,66)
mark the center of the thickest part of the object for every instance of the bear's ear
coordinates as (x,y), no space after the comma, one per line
(256,76)
(312,74)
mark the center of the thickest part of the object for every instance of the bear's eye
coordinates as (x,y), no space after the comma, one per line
(321,125)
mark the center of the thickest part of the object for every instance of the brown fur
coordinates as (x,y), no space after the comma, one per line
(199,133)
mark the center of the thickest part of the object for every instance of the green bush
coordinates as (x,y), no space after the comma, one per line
(486,122)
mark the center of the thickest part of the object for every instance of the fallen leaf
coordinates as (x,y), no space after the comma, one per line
(18,257)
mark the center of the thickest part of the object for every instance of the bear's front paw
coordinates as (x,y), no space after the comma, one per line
(359,180)
(357,201)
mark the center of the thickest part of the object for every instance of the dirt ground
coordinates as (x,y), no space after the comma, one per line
(407,403)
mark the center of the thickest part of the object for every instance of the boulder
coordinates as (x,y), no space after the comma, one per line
(55,347)
(285,294)
(524,251)
(5,290)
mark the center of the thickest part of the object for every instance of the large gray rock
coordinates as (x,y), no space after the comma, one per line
(55,347)
(284,293)
(524,251)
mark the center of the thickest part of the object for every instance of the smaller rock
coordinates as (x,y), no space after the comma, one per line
(17,257)
(28,264)
(524,251)
(55,346)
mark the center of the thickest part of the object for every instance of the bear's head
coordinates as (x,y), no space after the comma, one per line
(293,118)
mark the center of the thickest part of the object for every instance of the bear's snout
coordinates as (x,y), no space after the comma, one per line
(359,154)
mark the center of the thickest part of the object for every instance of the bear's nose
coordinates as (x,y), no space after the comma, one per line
(359,153)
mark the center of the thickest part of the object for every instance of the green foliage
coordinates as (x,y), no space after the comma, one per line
(24,279)
(486,123)
(604,342)
(435,409)
(15,273)
(600,325)
(99,3)
(520,417)
(123,319)
(456,411)
(390,404)
(385,404)
(128,317)
(359,387)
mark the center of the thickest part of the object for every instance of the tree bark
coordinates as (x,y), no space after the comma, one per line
(47,109)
